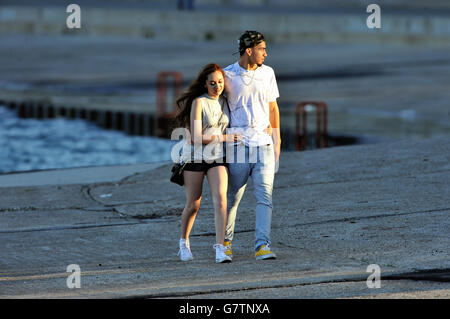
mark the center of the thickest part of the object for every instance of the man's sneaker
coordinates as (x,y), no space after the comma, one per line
(221,256)
(185,251)
(227,245)
(264,252)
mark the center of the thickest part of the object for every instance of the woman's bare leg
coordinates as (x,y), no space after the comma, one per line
(218,182)
(193,182)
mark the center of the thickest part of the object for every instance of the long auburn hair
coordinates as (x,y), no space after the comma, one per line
(196,88)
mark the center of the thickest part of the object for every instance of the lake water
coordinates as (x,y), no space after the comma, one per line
(31,144)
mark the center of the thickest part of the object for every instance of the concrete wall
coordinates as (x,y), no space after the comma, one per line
(407,29)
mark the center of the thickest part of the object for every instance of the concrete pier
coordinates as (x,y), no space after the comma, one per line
(336,211)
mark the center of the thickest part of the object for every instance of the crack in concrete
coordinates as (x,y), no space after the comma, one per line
(359,180)
(66,227)
(340,220)
(33,208)
(352,219)
(437,275)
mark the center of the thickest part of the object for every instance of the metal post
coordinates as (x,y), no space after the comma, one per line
(162,114)
(300,124)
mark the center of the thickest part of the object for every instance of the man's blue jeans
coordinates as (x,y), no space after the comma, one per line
(259,164)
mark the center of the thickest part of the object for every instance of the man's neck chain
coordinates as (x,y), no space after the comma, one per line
(242,77)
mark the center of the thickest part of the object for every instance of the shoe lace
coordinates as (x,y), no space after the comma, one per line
(222,248)
(266,247)
(184,250)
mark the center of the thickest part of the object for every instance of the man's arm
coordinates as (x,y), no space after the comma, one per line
(274,118)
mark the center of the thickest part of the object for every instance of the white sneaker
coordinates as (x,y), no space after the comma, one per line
(221,257)
(185,251)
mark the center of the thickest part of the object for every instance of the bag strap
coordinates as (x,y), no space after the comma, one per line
(226,102)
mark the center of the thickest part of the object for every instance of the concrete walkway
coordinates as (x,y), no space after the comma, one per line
(337,211)
(75,175)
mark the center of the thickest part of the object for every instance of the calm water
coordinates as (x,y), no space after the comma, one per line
(30,144)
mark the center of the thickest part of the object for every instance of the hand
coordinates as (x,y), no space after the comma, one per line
(234,137)
(237,137)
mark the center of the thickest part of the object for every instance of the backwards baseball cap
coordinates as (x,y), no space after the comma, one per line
(248,40)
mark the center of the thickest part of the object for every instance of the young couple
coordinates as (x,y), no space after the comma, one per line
(251,111)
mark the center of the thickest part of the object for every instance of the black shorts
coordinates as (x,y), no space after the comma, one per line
(203,166)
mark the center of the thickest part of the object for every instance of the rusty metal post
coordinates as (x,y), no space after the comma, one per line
(162,114)
(325,125)
(301,111)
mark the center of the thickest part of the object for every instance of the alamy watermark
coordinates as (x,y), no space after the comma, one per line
(74,279)
(373,20)
(189,150)
(74,19)
(374,279)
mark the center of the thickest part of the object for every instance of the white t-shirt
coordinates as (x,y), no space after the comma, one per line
(249,93)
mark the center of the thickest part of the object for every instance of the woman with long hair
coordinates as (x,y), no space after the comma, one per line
(203,111)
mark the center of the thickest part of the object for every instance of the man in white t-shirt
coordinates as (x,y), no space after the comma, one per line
(252,91)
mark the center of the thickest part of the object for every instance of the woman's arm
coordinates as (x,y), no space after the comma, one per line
(197,135)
